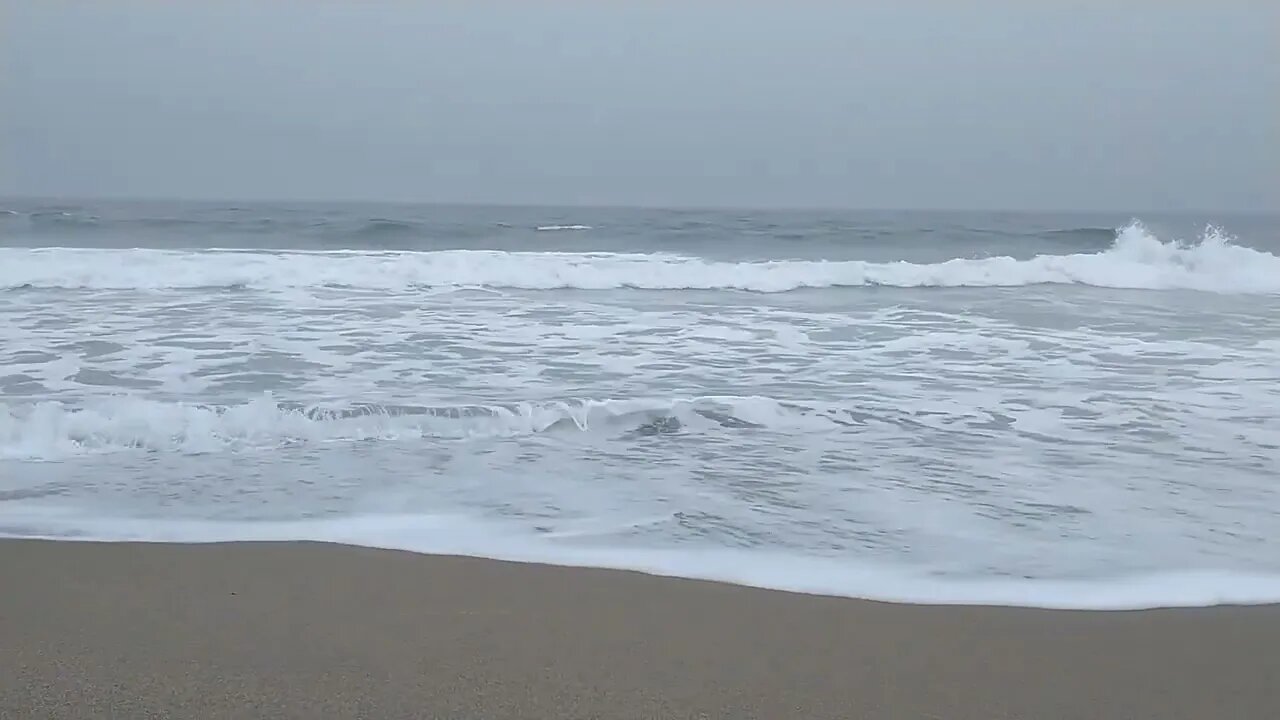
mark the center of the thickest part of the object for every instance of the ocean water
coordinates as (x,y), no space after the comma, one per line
(1045,410)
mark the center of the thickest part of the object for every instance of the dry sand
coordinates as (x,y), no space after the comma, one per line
(300,630)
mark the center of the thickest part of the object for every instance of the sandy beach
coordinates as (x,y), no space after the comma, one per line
(301,630)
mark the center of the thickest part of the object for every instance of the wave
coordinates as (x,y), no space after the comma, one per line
(381,227)
(53,430)
(63,220)
(546,228)
(1136,260)
(795,572)
(1101,236)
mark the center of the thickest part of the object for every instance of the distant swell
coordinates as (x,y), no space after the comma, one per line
(63,220)
(380,228)
(1083,235)
(1136,260)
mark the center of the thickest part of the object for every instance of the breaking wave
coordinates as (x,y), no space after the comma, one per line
(53,430)
(1137,260)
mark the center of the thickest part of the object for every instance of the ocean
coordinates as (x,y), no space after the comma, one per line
(1053,410)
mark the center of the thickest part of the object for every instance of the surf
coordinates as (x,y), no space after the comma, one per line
(52,430)
(1137,260)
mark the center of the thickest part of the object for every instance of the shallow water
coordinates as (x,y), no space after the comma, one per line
(1020,409)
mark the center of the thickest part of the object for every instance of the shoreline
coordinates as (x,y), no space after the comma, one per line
(301,629)
(817,576)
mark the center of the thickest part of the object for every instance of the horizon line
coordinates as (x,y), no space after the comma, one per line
(764,208)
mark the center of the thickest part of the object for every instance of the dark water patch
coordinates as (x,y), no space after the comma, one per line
(994,421)
(193,342)
(57,219)
(262,362)
(383,227)
(1044,438)
(1055,509)
(178,223)
(1074,412)
(90,349)
(1084,237)
(726,420)
(661,425)
(32,493)
(22,385)
(102,378)
(345,349)
(31,357)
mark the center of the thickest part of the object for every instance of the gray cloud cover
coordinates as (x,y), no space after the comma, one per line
(981,104)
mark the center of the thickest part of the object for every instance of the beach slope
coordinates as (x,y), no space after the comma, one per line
(308,630)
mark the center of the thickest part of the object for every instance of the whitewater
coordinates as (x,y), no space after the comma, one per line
(1137,260)
(1044,410)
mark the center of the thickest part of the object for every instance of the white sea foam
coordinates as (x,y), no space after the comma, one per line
(937,449)
(833,576)
(1137,260)
(552,228)
(52,430)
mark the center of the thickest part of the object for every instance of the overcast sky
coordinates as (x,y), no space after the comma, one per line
(1127,106)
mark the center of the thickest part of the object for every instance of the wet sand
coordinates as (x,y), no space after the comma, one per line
(306,630)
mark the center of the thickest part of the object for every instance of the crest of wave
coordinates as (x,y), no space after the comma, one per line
(50,430)
(1213,262)
(1137,260)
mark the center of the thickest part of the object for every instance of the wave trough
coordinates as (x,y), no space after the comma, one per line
(1137,260)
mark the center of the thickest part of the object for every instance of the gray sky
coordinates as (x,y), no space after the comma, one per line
(976,104)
